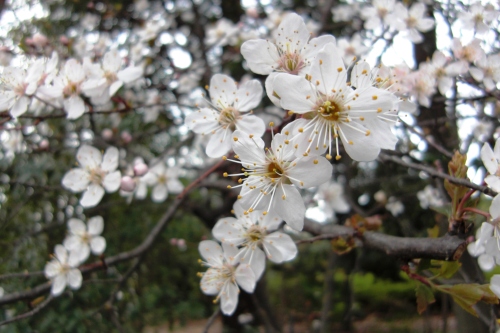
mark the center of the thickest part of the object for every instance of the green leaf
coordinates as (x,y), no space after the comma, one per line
(467,295)
(449,268)
(425,296)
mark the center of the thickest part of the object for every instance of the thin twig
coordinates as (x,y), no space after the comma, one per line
(433,172)
(29,313)
(211,320)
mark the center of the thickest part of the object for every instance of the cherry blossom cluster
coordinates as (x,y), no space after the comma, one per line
(82,239)
(307,77)
(63,87)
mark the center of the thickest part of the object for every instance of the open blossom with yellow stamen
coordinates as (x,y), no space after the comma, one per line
(83,238)
(291,52)
(254,235)
(225,116)
(95,174)
(334,110)
(224,275)
(273,175)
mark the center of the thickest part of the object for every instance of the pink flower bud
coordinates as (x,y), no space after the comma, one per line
(107,134)
(173,241)
(40,40)
(140,169)
(44,144)
(126,137)
(181,244)
(127,184)
(64,40)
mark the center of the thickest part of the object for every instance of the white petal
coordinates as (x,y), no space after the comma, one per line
(61,253)
(52,268)
(58,285)
(261,56)
(297,94)
(219,143)
(110,159)
(203,121)
(358,146)
(210,282)
(228,230)
(98,245)
(280,247)
(130,74)
(248,95)
(251,124)
(74,107)
(495,208)
(493,182)
(290,206)
(245,278)
(95,225)
(160,193)
(293,33)
(76,226)
(222,90)
(489,159)
(75,278)
(486,262)
(175,186)
(310,171)
(92,196)
(255,259)
(114,87)
(19,107)
(229,298)
(328,69)
(211,251)
(89,157)
(111,181)
(76,180)
(495,284)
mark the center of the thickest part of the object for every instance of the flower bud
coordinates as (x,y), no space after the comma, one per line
(107,134)
(126,137)
(44,144)
(140,169)
(127,184)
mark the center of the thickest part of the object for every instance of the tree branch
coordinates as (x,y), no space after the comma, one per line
(433,172)
(442,248)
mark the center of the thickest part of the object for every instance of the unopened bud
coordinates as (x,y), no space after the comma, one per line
(126,137)
(140,169)
(107,134)
(127,184)
(44,144)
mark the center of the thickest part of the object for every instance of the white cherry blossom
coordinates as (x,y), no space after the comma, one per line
(67,86)
(274,175)
(331,200)
(230,111)
(411,21)
(333,110)
(62,271)
(95,174)
(487,71)
(164,181)
(254,235)
(105,80)
(478,17)
(224,275)
(377,15)
(292,52)
(17,86)
(82,239)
